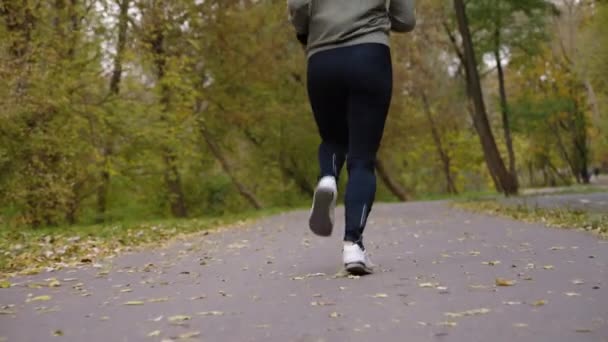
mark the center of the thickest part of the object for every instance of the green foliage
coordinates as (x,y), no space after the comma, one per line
(206,102)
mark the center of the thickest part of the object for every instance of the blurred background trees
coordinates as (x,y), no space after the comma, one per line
(133,109)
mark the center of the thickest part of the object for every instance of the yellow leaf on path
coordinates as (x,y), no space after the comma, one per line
(5,284)
(548,267)
(380,295)
(539,302)
(154,333)
(504,282)
(134,302)
(40,298)
(334,315)
(428,285)
(179,318)
(54,283)
(572,294)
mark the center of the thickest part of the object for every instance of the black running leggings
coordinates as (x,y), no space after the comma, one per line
(350,93)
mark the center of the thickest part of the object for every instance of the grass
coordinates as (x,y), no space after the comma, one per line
(557,218)
(28,251)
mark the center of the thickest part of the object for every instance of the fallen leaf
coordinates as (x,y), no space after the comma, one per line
(520,325)
(511,303)
(504,282)
(447,324)
(474,253)
(380,295)
(5,284)
(321,304)
(491,263)
(474,312)
(40,298)
(154,333)
(334,315)
(539,302)
(189,335)
(578,282)
(179,318)
(57,333)
(583,330)
(126,290)
(54,283)
(572,294)
(7,312)
(210,313)
(134,302)
(158,300)
(548,267)
(428,285)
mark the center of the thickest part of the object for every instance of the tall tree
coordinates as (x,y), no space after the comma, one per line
(504,181)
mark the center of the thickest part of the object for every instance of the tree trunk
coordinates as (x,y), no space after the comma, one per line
(493,159)
(443,155)
(215,150)
(172,175)
(390,182)
(107,150)
(564,153)
(504,107)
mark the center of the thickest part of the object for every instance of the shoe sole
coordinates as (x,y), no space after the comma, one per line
(358,269)
(320,216)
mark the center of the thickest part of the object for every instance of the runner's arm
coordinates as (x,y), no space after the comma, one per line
(403,15)
(299,16)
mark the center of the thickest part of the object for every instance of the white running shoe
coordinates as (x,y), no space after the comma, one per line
(356,260)
(321,220)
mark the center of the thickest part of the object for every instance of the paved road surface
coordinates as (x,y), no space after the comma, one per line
(274,281)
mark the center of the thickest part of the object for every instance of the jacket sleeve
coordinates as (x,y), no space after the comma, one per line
(299,12)
(403,15)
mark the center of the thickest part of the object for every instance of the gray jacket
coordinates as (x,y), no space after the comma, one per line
(328,24)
